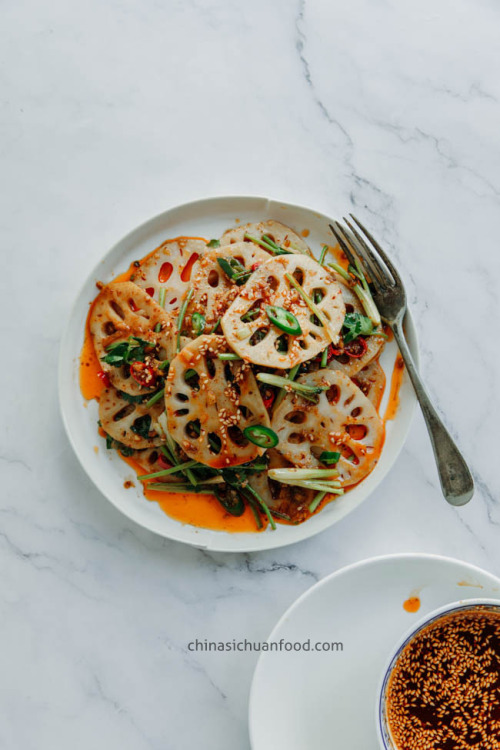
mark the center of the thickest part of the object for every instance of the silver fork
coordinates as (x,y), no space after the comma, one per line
(390,297)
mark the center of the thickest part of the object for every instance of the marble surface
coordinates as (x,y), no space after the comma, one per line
(114,111)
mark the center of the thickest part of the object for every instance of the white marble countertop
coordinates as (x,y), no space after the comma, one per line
(112,112)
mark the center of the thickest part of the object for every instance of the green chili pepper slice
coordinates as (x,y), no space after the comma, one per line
(262,436)
(230,499)
(284,320)
(198,322)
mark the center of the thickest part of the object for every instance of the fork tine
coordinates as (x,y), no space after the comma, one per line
(357,255)
(383,255)
(337,233)
(377,272)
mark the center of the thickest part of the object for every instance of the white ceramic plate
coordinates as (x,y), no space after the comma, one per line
(206,218)
(302,700)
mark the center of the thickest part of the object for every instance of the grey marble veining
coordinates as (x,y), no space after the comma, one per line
(112,112)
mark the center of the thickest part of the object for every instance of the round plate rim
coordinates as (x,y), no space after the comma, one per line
(272,540)
(346,569)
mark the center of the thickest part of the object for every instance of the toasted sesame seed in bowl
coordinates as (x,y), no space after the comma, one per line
(441,688)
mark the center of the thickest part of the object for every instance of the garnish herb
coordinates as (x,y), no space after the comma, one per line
(131,399)
(362,291)
(213,243)
(292,374)
(172,456)
(248,490)
(316,501)
(172,470)
(323,254)
(309,392)
(162,296)
(254,507)
(312,306)
(234,270)
(356,325)
(154,399)
(125,450)
(250,315)
(142,426)
(322,480)
(229,357)
(284,320)
(217,324)
(179,487)
(182,315)
(290,476)
(231,499)
(126,352)
(268,244)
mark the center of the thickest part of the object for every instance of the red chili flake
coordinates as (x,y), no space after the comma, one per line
(105,378)
(268,397)
(356,348)
(162,461)
(143,374)
(255,266)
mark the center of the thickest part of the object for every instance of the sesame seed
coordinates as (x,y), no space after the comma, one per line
(444,690)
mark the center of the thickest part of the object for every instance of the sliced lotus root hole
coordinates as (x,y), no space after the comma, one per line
(283,343)
(215,413)
(296,417)
(246,412)
(164,273)
(298,275)
(169,268)
(213,278)
(237,436)
(213,290)
(214,443)
(122,310)
(192,379)
(130,424)
(273,283)
(306,429)
(259,341)
(296,438)
(259,335)
(279,233)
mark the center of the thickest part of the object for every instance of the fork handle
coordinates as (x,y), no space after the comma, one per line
(456,480)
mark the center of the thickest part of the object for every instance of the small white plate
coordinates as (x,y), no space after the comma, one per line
(302,700)
(206,218)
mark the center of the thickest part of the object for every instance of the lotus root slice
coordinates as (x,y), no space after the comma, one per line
(344,420)
(209,403)
(261,342)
